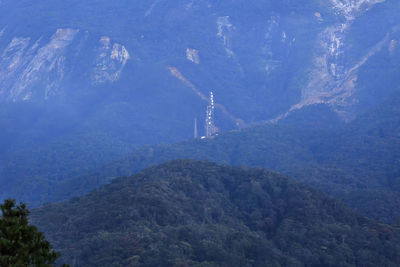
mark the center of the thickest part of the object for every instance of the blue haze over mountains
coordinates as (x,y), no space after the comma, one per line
(88,81)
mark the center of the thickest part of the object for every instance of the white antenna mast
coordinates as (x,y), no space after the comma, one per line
(210,127)
(195,129)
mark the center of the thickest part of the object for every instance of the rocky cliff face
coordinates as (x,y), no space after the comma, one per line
(38,69)
(39,66)
(333,77)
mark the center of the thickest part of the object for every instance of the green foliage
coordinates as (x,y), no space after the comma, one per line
(22,244)
(190,213)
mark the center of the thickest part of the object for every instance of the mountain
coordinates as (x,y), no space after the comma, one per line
(91,45)
(139,72)
(102,79)
(191,213)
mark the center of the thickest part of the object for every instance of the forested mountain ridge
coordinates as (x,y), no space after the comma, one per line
(201,214)
(334,159)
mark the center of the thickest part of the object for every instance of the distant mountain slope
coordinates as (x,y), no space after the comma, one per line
(84,82)
(250,53)
(198,213)
(144,69)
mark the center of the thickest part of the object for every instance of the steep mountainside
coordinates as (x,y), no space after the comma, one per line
(145,68)
(190,213)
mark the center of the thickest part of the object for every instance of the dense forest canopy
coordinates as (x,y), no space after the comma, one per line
(201,214)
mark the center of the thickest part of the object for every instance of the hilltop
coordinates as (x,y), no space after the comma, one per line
(202,214)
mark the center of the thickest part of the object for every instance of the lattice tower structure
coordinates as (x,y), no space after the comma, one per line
(211,130)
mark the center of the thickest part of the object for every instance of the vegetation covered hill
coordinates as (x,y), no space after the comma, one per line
(358,162)
(190,213)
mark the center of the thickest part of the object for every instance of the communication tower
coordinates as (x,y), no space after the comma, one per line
(211,130)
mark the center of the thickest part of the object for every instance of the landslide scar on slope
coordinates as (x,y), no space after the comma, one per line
(177,74)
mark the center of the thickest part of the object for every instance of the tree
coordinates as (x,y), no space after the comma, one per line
(21,244)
